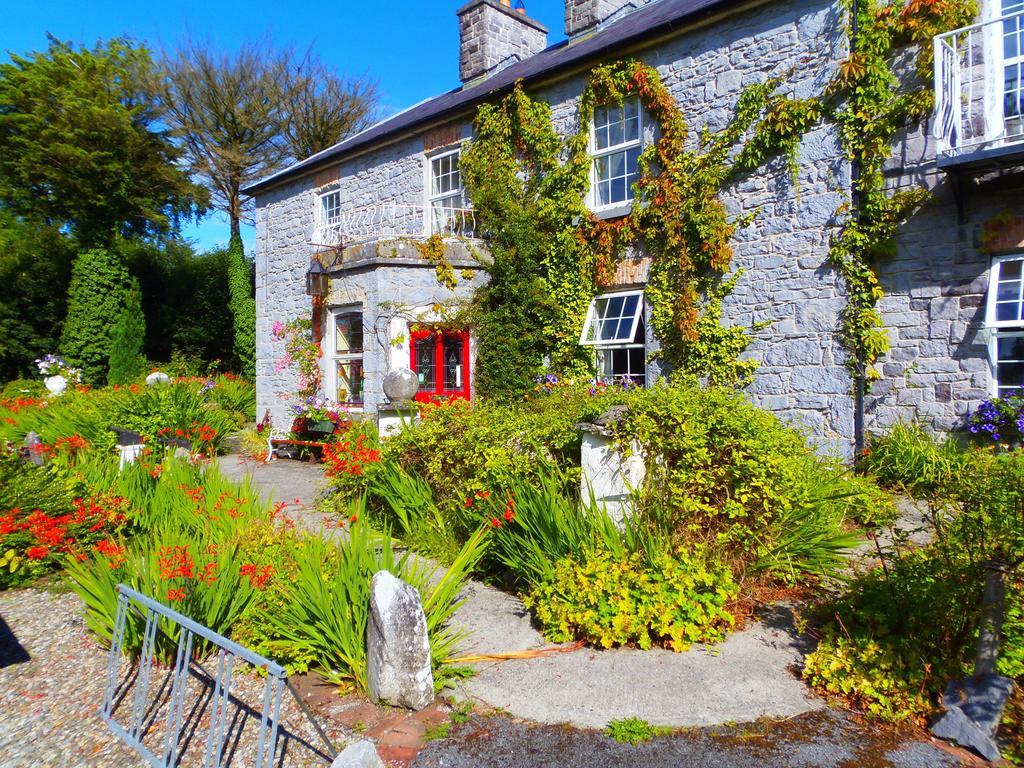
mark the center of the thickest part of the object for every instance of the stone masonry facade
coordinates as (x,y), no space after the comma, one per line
(935,284)
(583,15)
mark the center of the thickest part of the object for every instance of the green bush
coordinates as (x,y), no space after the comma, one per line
(22,388)
(664,598)
(912,460)
(127,362)
(723,471)
(892,643)
(99,288)
(243,308)
(181,409)
(460,449)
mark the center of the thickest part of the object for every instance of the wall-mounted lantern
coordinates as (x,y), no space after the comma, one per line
(316,279)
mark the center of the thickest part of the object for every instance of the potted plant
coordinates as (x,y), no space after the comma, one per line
(314,414)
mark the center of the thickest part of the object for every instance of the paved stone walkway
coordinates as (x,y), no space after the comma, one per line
(749,679)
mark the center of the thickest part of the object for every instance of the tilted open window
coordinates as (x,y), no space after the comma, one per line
(615,329)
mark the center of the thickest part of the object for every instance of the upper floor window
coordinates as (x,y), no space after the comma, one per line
(329,212)
(616,144)
(615,329)
(1013,66)
(1005,315)
(446,198)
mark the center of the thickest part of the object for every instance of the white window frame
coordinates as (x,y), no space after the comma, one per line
(458,196)
(1005,61)
(600,346)
(591,319)
(999,329)
(623,147)
(321,208)
(337,357)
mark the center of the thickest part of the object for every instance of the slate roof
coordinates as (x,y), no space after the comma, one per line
(655,19)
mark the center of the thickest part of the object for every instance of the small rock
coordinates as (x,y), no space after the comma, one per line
(362,754)
(397,645)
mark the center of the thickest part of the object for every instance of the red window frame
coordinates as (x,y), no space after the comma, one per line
(439,393)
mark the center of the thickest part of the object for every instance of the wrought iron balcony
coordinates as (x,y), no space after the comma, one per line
(979,90)
(385,221)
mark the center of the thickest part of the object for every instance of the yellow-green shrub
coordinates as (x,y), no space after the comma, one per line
(665,598)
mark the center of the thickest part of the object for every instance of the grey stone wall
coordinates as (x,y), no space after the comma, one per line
(934,310)
(492,36)
(935,284)
(583,15)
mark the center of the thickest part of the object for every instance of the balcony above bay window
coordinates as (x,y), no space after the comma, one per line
(979,91)
(390,221)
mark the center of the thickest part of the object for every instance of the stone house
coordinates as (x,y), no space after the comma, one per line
(954,304)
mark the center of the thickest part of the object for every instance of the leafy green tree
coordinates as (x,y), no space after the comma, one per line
(187,300)
(243,308)
(82,147)
(127,361)
(35,269)
(98,293)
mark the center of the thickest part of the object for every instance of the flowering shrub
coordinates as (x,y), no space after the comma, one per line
(300,350)
(55,365)
(40,541)
(998,419)
(316,408)
(664,598)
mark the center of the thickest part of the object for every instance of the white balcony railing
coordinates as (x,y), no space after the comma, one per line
(383,221)
(979,92)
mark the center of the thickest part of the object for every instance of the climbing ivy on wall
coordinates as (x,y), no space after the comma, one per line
(871,103)
(551,254)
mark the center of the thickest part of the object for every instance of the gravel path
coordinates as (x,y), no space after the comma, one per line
(51,685)
(816,740)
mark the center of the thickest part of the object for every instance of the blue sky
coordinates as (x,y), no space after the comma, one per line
(409,48)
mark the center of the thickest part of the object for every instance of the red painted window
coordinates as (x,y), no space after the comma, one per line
(440,360)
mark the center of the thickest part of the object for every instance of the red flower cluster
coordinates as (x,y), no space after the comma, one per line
(17,404)
(175,563)
(114,552)
(41,534)
(200,435)
(348,458)
(176,594)
(71,445)
(258,577)
(509,514)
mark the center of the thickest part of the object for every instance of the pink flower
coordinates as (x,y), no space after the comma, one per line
(278,329)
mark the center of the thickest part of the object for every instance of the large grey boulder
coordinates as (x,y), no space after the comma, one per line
(397,645)
(362,754)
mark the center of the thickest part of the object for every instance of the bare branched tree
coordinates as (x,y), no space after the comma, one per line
(323,108)
(241,117)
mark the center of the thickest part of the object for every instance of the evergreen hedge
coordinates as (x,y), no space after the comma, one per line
(127,361)
(96,297)
(243,308)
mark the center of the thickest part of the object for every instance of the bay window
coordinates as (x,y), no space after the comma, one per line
(1005,320)
(615,329)
(616,143)
(347,355)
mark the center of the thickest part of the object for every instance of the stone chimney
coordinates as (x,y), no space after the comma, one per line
(581,16)
(492,36)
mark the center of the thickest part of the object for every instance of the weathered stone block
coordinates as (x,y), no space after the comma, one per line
(398,670)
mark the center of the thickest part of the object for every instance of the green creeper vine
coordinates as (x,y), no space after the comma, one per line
(551,254)
(870,107)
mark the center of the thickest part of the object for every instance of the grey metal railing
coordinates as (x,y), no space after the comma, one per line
(167,751)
